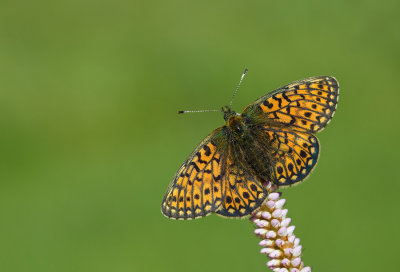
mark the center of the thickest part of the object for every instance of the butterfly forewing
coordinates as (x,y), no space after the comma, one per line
(197,189)
(306,105)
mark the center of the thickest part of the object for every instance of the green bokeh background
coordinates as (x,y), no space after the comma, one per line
(90,138)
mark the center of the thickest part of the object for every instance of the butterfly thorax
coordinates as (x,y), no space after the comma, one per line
(237,126)
(248,146)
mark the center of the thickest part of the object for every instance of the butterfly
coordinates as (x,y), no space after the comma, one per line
(271,140)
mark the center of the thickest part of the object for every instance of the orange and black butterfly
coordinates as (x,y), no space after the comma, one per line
(271,140)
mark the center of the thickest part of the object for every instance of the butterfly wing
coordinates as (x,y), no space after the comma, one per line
(306,105)
(198,188)
(209,181)
(244,193)
(296,154)
(300,109)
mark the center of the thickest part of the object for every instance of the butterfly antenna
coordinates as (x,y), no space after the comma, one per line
(237,87)
(189,111)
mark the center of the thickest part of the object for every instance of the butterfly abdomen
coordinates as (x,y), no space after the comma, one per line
(260,154)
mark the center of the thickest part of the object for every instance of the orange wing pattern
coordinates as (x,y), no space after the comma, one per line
(197,189)
(244,194)
(307,105)
(296,154)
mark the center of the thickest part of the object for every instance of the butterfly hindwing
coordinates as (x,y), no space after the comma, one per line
(244,193)
(296,155)
(306,105)
(197,188)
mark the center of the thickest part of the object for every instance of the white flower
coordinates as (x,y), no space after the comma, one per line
(278,241)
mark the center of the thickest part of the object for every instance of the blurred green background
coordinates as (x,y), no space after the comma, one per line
(90,138)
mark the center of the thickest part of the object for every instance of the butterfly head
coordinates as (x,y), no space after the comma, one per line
(228,113)
(234,121)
